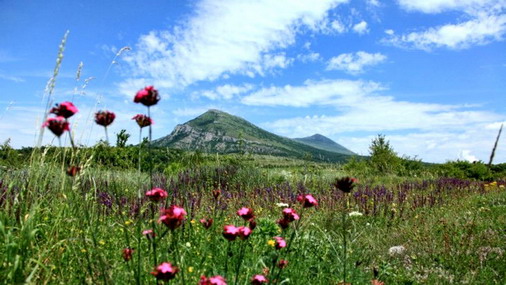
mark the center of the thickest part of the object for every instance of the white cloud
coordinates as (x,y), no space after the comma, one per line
(389,32)
(225,92)
(466,155)
(355,63)
(479,31)
(361,28)
(226,37)
(338,26)
(438,6)
(324,92)
(436,131)
(374,3)
(485,21)
(472,143)
(309,57)
(11,78)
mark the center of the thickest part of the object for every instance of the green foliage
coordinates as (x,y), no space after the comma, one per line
(464,169)
(383,158)
(9,156)
(122,138)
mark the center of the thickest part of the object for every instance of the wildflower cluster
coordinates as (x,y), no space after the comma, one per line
(59,124)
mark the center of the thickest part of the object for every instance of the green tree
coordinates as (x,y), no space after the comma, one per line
(383,157)
(122,138)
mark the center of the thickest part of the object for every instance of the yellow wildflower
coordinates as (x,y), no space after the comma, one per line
(190,269)
(271,242)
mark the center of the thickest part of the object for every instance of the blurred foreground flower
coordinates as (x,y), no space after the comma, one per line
(307,200)
(282,263)
(258,279)
(230,232)
(245,213)
(127,254)
(206,223)
(142,120)
(57,125)
(147,96)
(290,215)
(148,233)
(73,170)
(65,109)
(280,242)
(173,217)
(244,232)
(104,118)
(165,271)
(156,194)
(215,280)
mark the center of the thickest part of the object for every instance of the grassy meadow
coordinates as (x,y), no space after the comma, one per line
(413,225)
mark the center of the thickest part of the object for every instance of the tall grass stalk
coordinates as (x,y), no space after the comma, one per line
(52,84)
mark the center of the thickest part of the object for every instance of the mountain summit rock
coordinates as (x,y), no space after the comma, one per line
(218,132)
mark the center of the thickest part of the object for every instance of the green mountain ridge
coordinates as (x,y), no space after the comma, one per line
(219,132)
(324,143)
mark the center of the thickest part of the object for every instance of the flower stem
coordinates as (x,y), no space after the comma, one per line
(150,154)
(345,208)
(106,136)
(241,257)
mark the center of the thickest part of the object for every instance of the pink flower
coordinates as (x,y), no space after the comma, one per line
(73,170)
(149,234)
(165,271)
(244,232)
(215,280)
(127,254)
(307,200)
(230,232)
(57,125)
(156,194)
(290,215)
(65,109)
(282,263)
(173,217)
(147,96)
(206,223)
(104,118)
(245,213)
(280,242)
(258,279)
(142,120)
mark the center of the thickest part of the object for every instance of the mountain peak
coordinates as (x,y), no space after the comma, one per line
(217,131)
(324,143)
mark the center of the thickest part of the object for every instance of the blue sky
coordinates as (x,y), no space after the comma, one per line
(429,74)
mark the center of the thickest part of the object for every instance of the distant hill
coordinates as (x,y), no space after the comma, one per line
(324,143)
(219,132)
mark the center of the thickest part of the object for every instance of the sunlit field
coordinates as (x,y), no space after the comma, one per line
(126,192)
(137,214)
